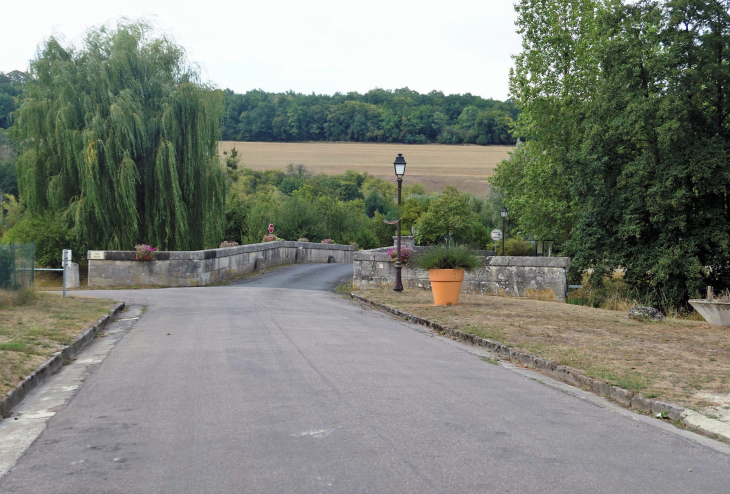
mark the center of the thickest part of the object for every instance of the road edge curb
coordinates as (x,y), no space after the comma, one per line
(12,399)
(629,399)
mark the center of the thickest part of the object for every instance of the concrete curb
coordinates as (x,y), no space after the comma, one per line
(632,400)
(54,363)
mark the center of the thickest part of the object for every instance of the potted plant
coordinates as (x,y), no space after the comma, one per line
(405,254)
(446,266)
(715,310)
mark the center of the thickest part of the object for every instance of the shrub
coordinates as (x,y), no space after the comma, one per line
(515,247)
(326,241)
(228,243)
(303,239)
(50,235)
(442,257)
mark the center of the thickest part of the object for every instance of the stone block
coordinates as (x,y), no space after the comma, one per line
(73,279)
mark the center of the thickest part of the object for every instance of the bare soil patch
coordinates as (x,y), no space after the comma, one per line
(680,361)
(30,334)
(434,165)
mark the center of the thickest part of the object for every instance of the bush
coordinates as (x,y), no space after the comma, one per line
(441,257)
(363,239)
(515,247)
(50,235)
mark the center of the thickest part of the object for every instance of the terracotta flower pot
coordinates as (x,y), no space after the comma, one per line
(446,285)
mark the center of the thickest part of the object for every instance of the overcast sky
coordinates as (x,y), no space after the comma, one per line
(319,46)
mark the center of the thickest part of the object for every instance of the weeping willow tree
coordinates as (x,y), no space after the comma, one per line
(120,139)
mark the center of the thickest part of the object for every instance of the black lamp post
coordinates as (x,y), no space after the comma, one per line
(503,212)
(400,170)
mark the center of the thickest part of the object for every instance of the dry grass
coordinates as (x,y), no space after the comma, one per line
(681,361)
(434,165)
(32,333)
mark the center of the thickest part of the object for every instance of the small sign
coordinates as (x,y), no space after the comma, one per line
(380,266)
(66,257)
(96,254)
(271,228)
(496,235)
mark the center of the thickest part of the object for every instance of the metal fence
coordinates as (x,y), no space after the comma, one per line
(17,262)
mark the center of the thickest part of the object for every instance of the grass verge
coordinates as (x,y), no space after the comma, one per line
(34,328)
(682,361)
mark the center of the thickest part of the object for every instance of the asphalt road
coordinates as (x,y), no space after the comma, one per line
(266,388)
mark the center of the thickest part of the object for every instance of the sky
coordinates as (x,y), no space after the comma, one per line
(320,46)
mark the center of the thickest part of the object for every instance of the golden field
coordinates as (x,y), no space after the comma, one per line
(466,167)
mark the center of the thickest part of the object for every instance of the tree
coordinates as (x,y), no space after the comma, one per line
(653,183)
(449,218)
(552,83)
(626,139)
(120,137)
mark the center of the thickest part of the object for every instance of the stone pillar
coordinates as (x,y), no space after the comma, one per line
(405,241)
(72,275)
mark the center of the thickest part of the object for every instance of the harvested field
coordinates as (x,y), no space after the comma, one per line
(466,167)
(683,362)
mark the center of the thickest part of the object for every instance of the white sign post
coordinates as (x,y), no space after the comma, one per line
(496,236)
(65,260)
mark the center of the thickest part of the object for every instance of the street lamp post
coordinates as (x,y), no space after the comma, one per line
(503,212)
(400,170)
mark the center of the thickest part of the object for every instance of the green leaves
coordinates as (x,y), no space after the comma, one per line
(625,121)
(121,139)
(449,218)
(442,257)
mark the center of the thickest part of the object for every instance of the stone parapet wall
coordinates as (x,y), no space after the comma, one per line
(542,278)
(203,267)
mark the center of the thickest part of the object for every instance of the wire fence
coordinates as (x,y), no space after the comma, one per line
(17,264)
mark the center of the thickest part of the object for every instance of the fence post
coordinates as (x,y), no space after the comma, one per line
(66,260)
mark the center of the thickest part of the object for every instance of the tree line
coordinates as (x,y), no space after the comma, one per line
(380,115)
(626,130)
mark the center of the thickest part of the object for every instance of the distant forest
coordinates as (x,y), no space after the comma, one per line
(380,115)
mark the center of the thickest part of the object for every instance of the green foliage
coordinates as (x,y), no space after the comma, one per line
(413,207)
(120,137)
(379,115)
(382,231)
(12,85)
(625,121)
(8,179)
(443,257)
(450,219)
(515,247)
(11,212)
(50,235)
(376,203)
(8,174)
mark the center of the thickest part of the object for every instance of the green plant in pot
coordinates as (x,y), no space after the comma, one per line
(446,267)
